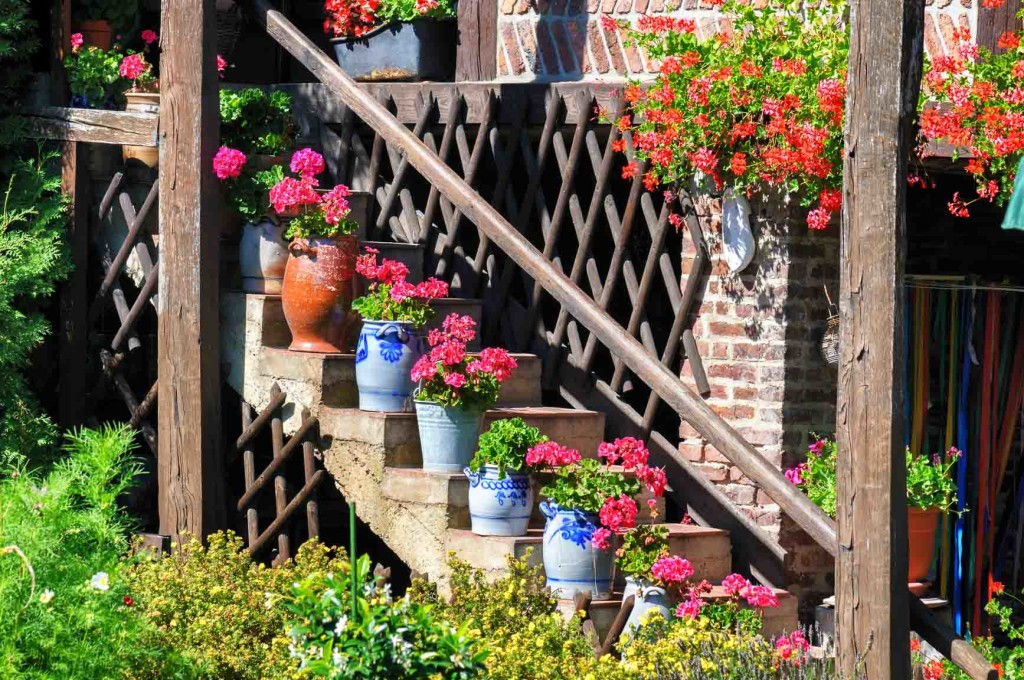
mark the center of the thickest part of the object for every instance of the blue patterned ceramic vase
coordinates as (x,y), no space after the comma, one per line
(385,354)
(571,563)
(499,507)
(646,597)
(448,436)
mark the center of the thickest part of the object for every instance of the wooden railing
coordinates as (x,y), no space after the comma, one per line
(454,195)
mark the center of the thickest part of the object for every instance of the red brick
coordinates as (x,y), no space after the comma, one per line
(565,54)
(641,6)
(636,65)
(744,393)
(657,6)
(529,44)
(508,7)
(946,27)
(746,350)
(502,63)
(615,50)
(597,45)
(692,452)
(548,53)
(623,6)
(515,56)
(739,372)
(712,455)
(523,6)
(578,41)
(727,328)
(742,412)
(740,494)
(715,473)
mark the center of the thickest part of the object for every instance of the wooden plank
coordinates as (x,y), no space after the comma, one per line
(93,125)
(476,57)
(994,21)
(872,626)
(74,293)
(190,462)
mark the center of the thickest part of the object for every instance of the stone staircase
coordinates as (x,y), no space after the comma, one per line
(374,457)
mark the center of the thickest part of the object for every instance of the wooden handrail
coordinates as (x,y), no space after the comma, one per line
(629,350)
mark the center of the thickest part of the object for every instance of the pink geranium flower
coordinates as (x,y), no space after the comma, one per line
(672,569)
(77,41)
(618,514)
(149,37)
(307,164)
(133,66)
(551,454)
(228,163)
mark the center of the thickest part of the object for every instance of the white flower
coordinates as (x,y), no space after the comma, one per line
(339,627)
(100,581)
(46,596)
(268,600)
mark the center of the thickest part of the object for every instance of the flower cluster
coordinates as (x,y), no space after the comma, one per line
(310,212)
(451,376)
(137,70)
(672,569)
(793,648)
(551,454)
(759,103)
(973,100)
(389,296)
(356,18)
(228,163)
(676,573)
(618,514)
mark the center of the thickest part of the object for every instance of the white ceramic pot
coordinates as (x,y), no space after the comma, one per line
(262,257)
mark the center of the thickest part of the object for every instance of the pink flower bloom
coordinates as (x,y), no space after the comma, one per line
(431,289)
(619,514)
(401,291)
(794,476)
(308,164)
(690,607)
(734,584)
(817,447)
(450,352)
(366,264)
(455,380)
(672,569)
(761,597)
(498,362)
(335,205)
(149,37)
(460,327)
(629,450)
(423,369)
(133,66)
(292,193)
(600,539)
(424,6)
(77,41)
(222,64)
(228,163)
(551,454)
(392,272)
(653,478)
(792,647)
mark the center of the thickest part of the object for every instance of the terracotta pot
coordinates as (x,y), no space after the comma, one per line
(921,528)
(142,102)
(317,292)
(97,32)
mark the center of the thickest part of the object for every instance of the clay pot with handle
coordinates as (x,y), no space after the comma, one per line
(317,292)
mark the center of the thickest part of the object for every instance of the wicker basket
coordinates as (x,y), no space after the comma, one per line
(830,339)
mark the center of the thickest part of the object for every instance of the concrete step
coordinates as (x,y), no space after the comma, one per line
(775,622)
(312,378)
(397,436)
(709,550)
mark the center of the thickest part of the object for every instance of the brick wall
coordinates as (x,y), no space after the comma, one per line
(564,39)
(758,334)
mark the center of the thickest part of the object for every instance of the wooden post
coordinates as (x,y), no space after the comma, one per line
(190,477)
(476,56)
(994,21)
(871,568)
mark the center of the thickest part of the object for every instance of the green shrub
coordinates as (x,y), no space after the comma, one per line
(256,122)
(220,609)
(505,444)
(65,608)
(377,638)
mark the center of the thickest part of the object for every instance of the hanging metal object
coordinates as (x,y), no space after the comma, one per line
(830,339)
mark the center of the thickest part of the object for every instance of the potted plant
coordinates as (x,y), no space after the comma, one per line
(390,342)
(931,492)
(393,39)
(456,388)
(97,19)
(92,75)
(500,487)
(642,547)
(260,126)
(317,287)
(143,96)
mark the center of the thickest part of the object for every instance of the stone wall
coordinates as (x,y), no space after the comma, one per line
(564,39)
(758,333)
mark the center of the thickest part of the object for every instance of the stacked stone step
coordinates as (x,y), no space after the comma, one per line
(375,460)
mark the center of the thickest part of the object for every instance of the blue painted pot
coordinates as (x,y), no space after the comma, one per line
(423,49)
(499,507)
(385,354)
(448,436)
(571,562)
(646,598)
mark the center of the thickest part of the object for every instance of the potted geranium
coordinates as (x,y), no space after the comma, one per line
(456,387)
(500,487)
(97,19)
(393,39)
(641,548)
(588,504)
(143,96)
(931,492)
(390,343)
(92,75)
(256,127)
(317,288)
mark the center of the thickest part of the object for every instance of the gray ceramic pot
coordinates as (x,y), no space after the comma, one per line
(448,436)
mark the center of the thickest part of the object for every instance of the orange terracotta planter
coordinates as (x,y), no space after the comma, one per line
(921,528)
(317,292)
(97,32)
(142,102)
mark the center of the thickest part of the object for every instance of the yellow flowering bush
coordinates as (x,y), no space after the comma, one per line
(220,609)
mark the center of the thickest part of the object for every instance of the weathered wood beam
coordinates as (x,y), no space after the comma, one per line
(873,625)
(93,125)
(188,362)
(994,21)
(476,57)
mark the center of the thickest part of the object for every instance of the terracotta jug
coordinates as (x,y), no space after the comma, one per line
(317,292)
(921,527)
(96,32)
